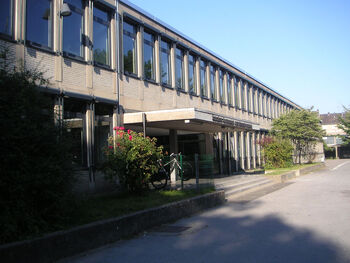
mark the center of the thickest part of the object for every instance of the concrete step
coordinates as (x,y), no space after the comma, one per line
(234,185)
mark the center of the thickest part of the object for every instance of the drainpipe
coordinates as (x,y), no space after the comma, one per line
(118,122)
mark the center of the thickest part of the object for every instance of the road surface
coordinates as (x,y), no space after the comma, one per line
(307,221)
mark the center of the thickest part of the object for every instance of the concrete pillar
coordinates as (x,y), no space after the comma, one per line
(248,153)
(236,149)
(90,144)
(254,149)
(174,148)
(259,150)
(229,152)
(336,152)
(242,143)
(221,149)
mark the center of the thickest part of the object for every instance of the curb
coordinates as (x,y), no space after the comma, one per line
(281,178)
(61,244)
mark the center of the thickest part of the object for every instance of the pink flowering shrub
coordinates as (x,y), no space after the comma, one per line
(132,158)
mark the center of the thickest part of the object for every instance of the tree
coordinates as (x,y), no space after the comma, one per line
(36,168)
(302,127)
(345,125)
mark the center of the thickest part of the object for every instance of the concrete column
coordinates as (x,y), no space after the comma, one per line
(90,144)
(197,78)
(229,152)
(259,149)
(254,149)
(173,143)
(185,71)
(157,58)
(236,149)
(242,143)
(221,149)
(172,61)
(248,153)
(139,47)
(336,152)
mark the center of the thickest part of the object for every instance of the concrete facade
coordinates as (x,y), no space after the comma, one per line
(204,98)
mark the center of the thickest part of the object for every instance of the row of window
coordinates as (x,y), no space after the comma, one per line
(211,81)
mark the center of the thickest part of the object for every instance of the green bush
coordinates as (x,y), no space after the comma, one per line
(132,158)
(35,177)
(277,153)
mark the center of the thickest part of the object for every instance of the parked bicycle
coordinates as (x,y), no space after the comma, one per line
(160,179)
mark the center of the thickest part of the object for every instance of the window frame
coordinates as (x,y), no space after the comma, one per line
(213,87)
(169,44)
(194,71)
(181,58)
(236,92)
(136,54)
(221,86)
(109,33)
(203,64)
(229,89)
(153,45)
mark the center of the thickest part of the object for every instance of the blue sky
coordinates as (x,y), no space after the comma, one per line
(299,48)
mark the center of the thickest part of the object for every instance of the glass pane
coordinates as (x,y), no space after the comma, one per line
(148,55)
(39,22)
(221,86)
(5,14)
(129,48)
(242,95)
(191,74)
(203,78)
(165,63)
(236,93)
(73,29)
(212,83)
(101,36)
(248,98)
(179,68)
(229,89)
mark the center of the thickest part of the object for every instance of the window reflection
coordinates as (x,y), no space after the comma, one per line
(73,28)
(148,56)
(39,22)
(221,86)
(242,95)
(203,79)
(101,38)
(191,74)
(179,54)
(236,92)
(165,68)
(129,48)
(229,89)
(6,17)
(213,92)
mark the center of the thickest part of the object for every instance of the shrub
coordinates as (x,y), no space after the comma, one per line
(35,177)
(132,158)
(277,153)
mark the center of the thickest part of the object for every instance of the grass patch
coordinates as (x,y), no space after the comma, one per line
(102,207)
(279,171)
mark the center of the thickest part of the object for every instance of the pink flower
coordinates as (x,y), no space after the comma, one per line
(118,144)
(129,131)
(130,137)
(110,147)
(121,128)
(115,128)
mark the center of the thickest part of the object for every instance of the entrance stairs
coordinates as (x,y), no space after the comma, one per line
(241,184)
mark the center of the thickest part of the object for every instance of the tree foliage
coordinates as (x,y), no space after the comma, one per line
(36,175)
(277,152)
(302,127)
(132,158)
(344,124)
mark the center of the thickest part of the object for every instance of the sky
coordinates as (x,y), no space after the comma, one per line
(299,48)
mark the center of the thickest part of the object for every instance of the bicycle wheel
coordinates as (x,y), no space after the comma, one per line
(160,179)
(187,171)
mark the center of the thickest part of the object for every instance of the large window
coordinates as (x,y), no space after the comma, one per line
(229,90)
(6,17)
(264,104)
(179,76)
(203,78)
(248,98)
(101,36)
(253,100)
(129,48)
(243,95)
(73,29)
(259,102)
(236,92)
(191,74)
(39,22)
(148,56)
(213,92)
(165,63)
(221,86)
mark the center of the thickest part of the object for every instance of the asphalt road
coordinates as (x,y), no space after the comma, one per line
(307,221)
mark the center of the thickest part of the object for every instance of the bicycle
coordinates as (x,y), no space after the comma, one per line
(160,179)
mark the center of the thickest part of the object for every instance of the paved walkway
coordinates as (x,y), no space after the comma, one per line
(307,221)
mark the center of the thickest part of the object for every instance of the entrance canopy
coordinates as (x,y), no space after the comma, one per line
(189,119)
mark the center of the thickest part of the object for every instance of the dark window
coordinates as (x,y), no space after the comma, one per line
(203,78)
(229,90)
(6,17)
(221,86)
(39,22)
(248,98)
(243,94)
(129,48)
(165,63)
(236,92)
(101,36)
(191,74)
(179,54)
(73,28)
(213,91)
(148,56)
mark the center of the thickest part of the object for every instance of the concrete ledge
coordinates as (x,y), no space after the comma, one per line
(281,178)
(63,244)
